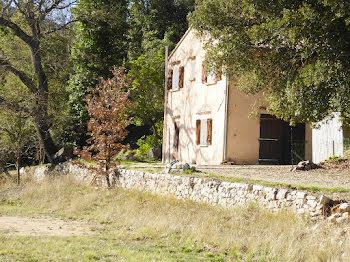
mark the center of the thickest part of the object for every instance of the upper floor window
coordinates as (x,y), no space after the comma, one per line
(175,82)
(211,77)
(176,78)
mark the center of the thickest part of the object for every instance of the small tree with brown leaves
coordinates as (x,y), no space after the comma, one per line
(107,107)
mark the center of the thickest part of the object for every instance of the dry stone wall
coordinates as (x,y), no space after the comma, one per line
(211,191)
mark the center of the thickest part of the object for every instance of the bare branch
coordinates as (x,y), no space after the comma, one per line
(16,30)
(27,81)
(46,11)
(59,28)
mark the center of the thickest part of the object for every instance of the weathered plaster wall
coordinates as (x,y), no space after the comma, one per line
(194,101)
(243,131)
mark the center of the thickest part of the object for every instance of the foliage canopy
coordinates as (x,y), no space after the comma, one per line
(296,52)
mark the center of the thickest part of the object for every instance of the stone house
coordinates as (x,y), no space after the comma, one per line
(207,119)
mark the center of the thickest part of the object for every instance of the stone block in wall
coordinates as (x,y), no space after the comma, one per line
(272,195)
(282,194)
(301,195)
(345,207)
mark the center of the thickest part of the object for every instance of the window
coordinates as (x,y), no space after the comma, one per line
(204,131)
(175,82)
(176,78)
(210,77)
(193,70)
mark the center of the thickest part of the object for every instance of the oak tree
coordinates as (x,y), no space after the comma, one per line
(31,22)
(296,52)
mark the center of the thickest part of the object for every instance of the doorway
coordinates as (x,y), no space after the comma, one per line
(279,143)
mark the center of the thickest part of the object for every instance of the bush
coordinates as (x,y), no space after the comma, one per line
(335,159)
(146,143)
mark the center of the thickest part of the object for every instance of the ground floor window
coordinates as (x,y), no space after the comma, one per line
(204,129)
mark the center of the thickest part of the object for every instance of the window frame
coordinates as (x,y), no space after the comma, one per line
(204,136)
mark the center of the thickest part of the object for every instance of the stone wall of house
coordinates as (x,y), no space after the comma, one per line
(211,191)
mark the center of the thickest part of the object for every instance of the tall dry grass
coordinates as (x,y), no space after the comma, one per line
(249,233)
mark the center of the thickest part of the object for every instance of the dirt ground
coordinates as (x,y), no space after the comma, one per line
(24,226)
(281,174)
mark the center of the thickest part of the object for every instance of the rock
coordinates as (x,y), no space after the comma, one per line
(341,219)
(169,167)
(63,154)
(40,173)
(177,165)
(130,157)
(22,171)
(332,218)
(282,193)
(304,166)
(345,207)
(186,166)
(155,153)
(301,195)
(346,215)
(325,200)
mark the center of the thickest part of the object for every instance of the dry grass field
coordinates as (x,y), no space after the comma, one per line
(120,225)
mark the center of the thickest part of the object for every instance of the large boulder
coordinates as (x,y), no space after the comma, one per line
(155,153)
(130,157)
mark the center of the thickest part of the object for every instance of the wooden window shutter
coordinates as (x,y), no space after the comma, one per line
(204,73)
(181,77)
(218,74)
(170,79)
(176,137)
(198,132)
(209,131)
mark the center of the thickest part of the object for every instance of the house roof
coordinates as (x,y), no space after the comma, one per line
(180,42)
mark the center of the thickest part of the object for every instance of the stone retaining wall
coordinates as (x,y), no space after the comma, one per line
(211,191)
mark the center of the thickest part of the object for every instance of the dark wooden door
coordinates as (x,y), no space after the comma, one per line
(176,141)
(279,142)
(271,140)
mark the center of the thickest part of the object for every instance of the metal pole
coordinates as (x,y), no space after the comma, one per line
(165,103)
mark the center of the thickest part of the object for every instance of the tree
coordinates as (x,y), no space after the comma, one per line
(296,52)
(16,138)
(31,22)
(107,106)
(101,43)
(147,88)
(152,20)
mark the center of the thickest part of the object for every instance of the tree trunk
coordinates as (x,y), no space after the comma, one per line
(40,111)
(45,139)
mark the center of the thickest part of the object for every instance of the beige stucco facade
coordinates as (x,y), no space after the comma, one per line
(235,133)
(192,102)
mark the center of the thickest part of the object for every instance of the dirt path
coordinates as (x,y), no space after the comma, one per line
(24,226)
